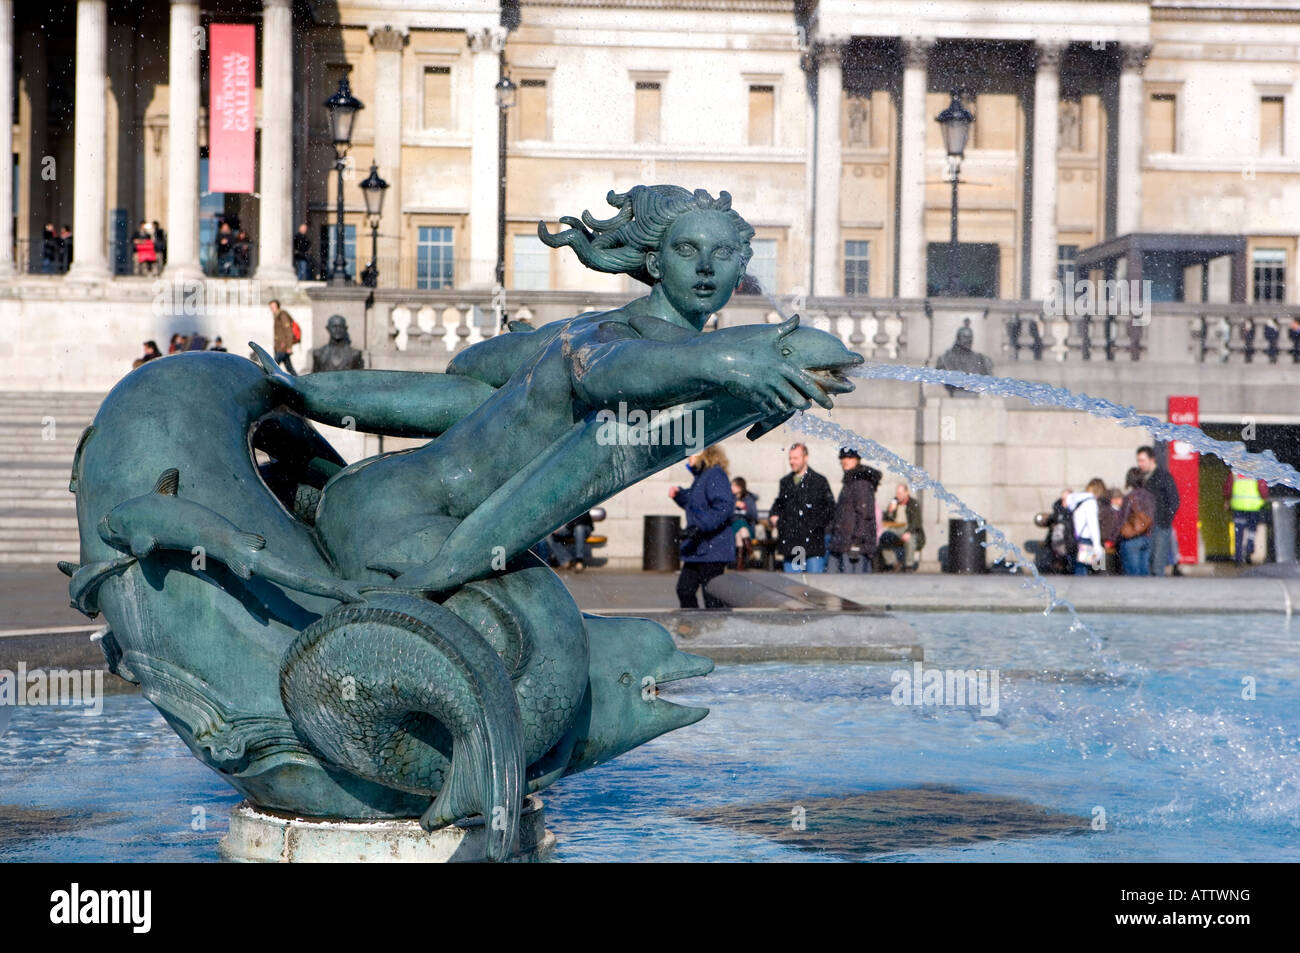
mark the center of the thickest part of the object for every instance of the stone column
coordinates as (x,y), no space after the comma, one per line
(911,171)
(486,45)
(6,138)
(33,195)
(388,43)
(827,279)
(275,214)
(90,140)
(1128,164)
(183,142)
(1042,215)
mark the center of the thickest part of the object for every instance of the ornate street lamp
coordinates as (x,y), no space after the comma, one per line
(505,90)
(373,188)
(955,122)
(342,108)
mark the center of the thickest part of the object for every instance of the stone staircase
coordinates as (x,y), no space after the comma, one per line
(38,435)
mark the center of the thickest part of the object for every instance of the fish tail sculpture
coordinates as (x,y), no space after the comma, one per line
(377,689)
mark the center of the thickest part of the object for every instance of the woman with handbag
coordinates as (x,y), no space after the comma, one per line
(1136,521)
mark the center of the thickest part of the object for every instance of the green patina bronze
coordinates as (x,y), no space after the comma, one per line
(378,640)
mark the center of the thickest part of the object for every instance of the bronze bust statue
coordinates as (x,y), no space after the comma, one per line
(962,357)
(339,354)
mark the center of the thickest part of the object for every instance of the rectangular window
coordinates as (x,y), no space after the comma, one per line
(1065,256)
(1270,274)
(1162,134)
(349,249)
(647,112)
(1270,126)
(532,263)
(762,266)
(857,269)
(437,97)
(762,108)
(531,109)
(435,257)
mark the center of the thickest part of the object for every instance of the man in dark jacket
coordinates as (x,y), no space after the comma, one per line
(707,545)
(803,509)
(853,532)
(1158,481)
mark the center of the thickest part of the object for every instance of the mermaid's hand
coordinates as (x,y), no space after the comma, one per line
(759,365)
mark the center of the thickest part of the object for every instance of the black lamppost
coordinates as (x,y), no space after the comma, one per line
(342,108)
(373,188)
(955,121)
(505,99)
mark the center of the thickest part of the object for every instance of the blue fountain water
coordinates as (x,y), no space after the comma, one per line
(1193,771)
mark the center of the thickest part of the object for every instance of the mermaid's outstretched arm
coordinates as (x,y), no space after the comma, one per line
(392,403)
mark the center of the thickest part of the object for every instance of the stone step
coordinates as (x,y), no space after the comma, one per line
(40,493)
(35,559)
(35,519)
(66,503)
(62,531)
(59,546)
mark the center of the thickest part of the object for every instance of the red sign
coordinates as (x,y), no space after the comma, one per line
(1184,467)
(231,121)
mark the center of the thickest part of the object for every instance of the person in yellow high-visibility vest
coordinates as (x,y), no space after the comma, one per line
(1245,497)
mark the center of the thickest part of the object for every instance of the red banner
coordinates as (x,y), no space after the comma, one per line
(231,123)
(1184,467)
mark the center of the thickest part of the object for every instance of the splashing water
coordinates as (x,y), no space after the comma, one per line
(920,479)
(1264,466)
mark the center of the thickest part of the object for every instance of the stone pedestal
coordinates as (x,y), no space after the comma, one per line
(269,837)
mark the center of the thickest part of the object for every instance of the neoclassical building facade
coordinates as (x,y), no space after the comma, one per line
(1094,120)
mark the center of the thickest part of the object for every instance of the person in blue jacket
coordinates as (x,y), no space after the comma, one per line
(707,545)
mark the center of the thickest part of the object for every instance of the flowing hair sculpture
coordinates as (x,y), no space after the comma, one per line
(618,245)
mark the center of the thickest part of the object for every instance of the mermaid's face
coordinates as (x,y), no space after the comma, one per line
(699,264)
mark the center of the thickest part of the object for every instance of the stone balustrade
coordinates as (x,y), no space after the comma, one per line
(424,329)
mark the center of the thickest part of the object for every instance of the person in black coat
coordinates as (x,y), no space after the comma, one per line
(1160,483)
(804,507)
(853,532)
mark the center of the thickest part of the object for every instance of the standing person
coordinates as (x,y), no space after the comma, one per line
(901,548)
(1158,481)
(160,244)
(284,338)
(49,249)
(176,344)
(243,254)
(804,507)
(224,245)
(1085,509)
(744,522)
(64,247)
(302,253)
(217,344)
(706,545)
(853,532)
(1136,524)
(1245,498)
